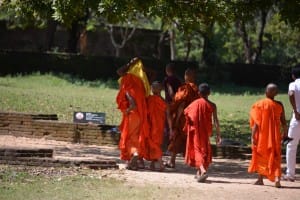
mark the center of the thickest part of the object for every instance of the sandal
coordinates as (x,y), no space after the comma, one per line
(277,184)
(162,168)
(202,178)
(169,165)
(152,166)
(132,165)
(259,182)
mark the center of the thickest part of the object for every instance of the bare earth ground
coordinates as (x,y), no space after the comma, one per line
(228,178)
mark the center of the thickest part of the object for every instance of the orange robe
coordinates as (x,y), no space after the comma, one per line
(266,155)
(156,118)
(134,126)
(185,94)
(199,128)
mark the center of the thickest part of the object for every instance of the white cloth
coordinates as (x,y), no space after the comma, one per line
(294,132)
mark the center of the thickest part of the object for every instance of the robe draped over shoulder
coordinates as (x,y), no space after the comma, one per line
(134,126)
(266,155)
(156,119)
(185,94)
(198,127)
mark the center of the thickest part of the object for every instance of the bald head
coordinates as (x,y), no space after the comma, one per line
(156,87)
(271,90)
(190,75)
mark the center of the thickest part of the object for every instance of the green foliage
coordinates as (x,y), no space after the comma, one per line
(282,43)
(289,12)
(27,13)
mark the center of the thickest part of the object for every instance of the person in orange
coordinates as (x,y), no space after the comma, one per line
(185,94)
(266,119)
(156,119)
(131,100)
(171,84)
(198,126)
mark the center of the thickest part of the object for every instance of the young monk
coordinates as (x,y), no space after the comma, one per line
(131,100)
(156,118)
(185,94)
(266,116)
(198,126)
(171,85)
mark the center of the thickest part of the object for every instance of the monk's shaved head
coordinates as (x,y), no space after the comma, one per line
(271,90)
(156,87)
(190,75)
(156,84)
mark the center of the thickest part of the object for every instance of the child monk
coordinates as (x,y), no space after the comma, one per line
(156,120)
(171,85)
(266,116)
(185,94)
(199,116)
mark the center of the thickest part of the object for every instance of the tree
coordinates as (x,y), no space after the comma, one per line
(125,35)
(289,12)
(251,17)
(73,14)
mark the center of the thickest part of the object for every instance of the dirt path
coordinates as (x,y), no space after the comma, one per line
(228,178)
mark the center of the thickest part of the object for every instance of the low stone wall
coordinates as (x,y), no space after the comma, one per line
(44,158)
(43,126)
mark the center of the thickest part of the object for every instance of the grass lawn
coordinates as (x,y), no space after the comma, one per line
(63,95)
(20,184)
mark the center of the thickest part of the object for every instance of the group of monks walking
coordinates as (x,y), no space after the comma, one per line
(185,118)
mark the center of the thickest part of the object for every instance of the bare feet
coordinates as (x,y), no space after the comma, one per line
(152,166)
(169,164)
(161,167)
(132,165)
(277,184)
(259,182)
(202,178)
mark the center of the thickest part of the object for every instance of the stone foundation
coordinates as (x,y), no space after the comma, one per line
(47,126)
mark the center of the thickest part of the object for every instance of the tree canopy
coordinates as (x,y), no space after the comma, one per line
(238,30)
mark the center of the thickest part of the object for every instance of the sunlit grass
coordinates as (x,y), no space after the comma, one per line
(50,94)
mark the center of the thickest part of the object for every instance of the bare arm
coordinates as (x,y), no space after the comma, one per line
(253,134)
(170,91)
(283,123)
(217,125)
(171,124)
(132,104)
(293,103)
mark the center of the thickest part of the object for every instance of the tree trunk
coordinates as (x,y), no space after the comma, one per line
(241,28)
(117,54)
(172,44)
(51,29)
(73,37)
(188,48)
(263,21)
(208,53)
(124,34)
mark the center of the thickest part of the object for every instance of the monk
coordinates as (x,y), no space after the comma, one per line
(171,85)
(156,119)
(185,94)
(198,126)
(131,100)
(266,116)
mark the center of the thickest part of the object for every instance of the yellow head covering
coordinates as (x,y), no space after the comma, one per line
(137,70)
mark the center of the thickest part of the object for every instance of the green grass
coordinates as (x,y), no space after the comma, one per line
(16,184)
(57,95)
(64,94)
